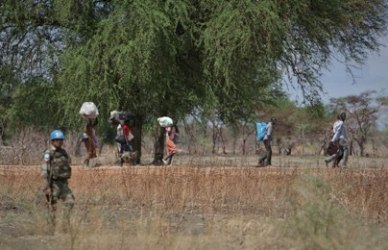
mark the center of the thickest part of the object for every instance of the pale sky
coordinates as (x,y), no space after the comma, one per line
(372,75)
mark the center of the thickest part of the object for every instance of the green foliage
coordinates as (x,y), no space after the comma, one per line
(8,83)
(130,63)
(177,57)
(240,39)
(33,106)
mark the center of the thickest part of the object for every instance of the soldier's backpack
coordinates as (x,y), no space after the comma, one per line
(261,129)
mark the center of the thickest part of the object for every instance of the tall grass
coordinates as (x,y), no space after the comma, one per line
(189,207)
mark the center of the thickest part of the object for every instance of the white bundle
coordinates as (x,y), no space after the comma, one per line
(89,110)
(165,121)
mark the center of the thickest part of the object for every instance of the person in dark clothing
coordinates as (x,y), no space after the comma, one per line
(267,158)
(339,141)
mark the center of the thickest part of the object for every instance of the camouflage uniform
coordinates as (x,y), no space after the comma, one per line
(56,171)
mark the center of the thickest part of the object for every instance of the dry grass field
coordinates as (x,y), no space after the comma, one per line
(205,203)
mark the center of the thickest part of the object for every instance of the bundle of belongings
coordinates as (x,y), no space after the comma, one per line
(124,121)
(165,121)
(89,110)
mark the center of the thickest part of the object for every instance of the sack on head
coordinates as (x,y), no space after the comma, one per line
(89,110)
(261,129)
(127,118)
(165,121)
(122,117)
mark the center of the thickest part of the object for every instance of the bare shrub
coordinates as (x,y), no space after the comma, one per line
(25,148)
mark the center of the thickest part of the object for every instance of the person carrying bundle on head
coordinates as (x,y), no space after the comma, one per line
(171,131)
(89,112)
(124,136)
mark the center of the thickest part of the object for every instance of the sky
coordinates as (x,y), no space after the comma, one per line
(372,75)
(337,82)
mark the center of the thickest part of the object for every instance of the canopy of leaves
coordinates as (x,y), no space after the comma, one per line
(172,57)
(33,106)
(134,60)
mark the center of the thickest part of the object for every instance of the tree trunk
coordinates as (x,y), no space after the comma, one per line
(221,135)
(215,136)
(244,139)
(136,143)
(351,147)
(159,148)
(2,128)
(243,146)
(362,148)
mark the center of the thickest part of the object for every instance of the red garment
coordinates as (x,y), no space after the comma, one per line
(171,147)
(126,131)
(170,136)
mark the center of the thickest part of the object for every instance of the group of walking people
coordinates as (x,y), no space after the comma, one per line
(337,151)
(56,166)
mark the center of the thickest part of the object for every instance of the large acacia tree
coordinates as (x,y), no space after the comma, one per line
(171,57)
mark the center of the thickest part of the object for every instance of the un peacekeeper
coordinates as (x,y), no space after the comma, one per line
(56,171)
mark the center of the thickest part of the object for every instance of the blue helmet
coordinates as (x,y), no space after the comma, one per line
(57,135)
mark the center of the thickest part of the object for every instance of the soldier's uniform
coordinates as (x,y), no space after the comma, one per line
(56,167)
(56,171)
